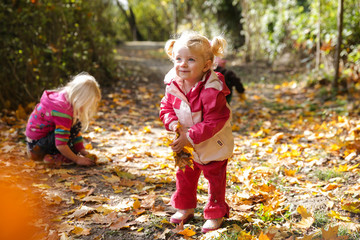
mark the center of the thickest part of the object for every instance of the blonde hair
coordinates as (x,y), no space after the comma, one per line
(195,41)
(83,93)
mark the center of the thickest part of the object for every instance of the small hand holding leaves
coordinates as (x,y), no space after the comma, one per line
(182,149)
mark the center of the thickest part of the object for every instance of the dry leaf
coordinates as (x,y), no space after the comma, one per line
(187,232)
(332,234)
(121,222)
(268,236)
(81,212)
(306,219)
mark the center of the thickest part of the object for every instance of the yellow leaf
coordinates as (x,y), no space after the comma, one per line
(88,146)
(117,189)
(235,127)
(331,186)
(184,158)
(165,221)
(332,234)
(243,158)
(242,97)
(269,150)
(353,167)
(289,172)
(306,221)
(338,216)
(20,113)
(267,236)
(335,147)
(98,129)
(81,231)
(75,188)
(303,212)
(146,129)
(342,168)
(353,207)
(276,138)
(255,97)
(258,134)
(136,204)
(187,232)
(104,209)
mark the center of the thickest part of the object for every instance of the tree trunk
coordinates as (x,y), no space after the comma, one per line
(175,16)
(338,46)
(318,43)
(132,22)
(245,15)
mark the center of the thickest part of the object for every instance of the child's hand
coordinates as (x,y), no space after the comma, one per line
(84,152)
(84,161)
(178,144)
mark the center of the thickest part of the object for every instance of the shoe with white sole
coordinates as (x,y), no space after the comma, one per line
(211,225)
(182,215)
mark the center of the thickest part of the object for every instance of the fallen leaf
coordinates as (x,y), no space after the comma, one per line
(268,236)
(121,222)
(332,234)
(82,211)
(306,218)
(338,216)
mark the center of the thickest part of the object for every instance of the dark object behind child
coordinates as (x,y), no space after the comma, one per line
(231,81)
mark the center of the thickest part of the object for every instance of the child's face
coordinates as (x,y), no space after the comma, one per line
(190,65)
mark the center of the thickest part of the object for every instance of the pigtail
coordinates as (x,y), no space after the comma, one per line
(218,45)
(169,46)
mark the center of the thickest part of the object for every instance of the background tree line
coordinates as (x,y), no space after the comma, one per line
(43,42)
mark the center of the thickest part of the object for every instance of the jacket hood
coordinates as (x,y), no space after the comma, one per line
(56,100)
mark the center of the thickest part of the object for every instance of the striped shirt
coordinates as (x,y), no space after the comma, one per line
(53,113)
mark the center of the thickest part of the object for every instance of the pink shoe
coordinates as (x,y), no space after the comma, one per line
(211,225)
(182,216)
(57,160)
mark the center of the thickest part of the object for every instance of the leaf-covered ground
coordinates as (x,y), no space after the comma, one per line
(294,173)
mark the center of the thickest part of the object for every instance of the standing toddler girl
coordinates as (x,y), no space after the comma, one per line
(53,131)
(195,100)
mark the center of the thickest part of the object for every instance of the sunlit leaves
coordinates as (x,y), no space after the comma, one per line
(353,207)
(184,157)
(306,218)
(338,216)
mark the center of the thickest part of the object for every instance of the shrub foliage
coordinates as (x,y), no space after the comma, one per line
(43,43)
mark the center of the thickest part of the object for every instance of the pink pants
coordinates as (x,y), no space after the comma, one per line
(186,187)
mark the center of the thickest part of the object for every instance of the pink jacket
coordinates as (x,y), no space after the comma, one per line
(53,113)
(204,111)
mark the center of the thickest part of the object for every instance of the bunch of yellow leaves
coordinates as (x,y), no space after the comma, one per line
(185,157)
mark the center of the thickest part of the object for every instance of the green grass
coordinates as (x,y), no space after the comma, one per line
(321,219)
(325,175)
(347,232)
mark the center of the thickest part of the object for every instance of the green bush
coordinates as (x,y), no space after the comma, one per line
(43,43)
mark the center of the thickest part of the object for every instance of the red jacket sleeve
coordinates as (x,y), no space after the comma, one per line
(167,113)
(215,115)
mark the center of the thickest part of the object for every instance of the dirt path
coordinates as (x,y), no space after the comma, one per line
(127,195)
